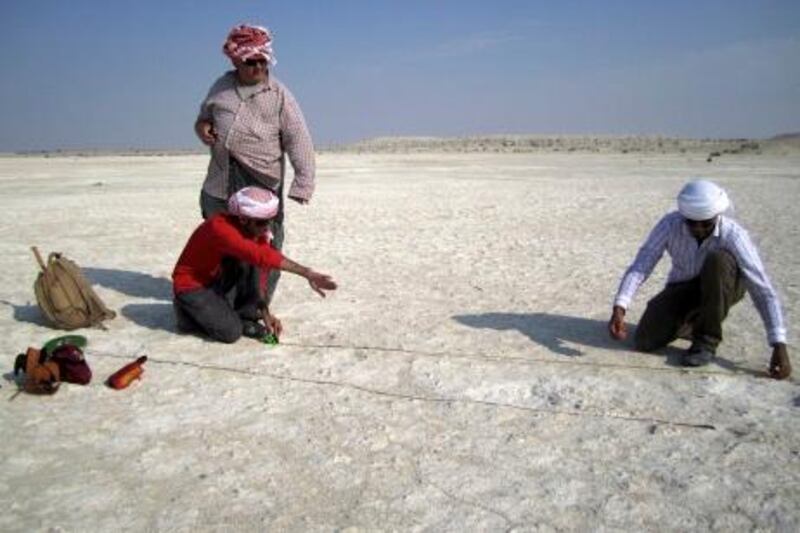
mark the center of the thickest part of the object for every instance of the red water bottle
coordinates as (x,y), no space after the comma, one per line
(125,375)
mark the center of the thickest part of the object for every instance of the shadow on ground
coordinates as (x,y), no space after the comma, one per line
(136,284)
(151,316)
(14,379)
(674,356)
(27,313)
(551,331)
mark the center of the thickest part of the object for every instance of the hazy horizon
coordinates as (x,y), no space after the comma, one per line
(92,75)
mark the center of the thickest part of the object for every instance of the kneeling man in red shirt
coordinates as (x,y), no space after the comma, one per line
(214,281)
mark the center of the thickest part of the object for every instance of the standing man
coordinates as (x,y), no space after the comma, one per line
(713,262)
(250,120)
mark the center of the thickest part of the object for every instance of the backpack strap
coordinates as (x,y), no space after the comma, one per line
(38,257)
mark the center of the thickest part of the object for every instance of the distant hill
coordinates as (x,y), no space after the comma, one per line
(782,144)
(786,137)
(547,143)
(559,143)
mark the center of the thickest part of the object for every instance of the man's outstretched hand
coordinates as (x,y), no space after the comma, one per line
(320,282)
(616,326)
(779,365)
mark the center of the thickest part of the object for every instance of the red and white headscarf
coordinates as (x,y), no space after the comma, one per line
(254,202)
(249,42)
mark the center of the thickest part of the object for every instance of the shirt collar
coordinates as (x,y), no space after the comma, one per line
(266,85)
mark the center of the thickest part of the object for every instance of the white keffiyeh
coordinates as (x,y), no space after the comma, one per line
(702,200)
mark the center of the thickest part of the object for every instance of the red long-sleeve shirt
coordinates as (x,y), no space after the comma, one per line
(217,237)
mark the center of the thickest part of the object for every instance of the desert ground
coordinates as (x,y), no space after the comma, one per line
(460,379)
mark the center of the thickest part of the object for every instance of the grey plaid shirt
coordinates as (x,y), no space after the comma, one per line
(257,127)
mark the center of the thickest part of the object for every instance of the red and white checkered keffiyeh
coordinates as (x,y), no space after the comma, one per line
(254,202)
(249,42)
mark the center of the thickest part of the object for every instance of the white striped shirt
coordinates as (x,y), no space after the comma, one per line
(672,234)
(256,125)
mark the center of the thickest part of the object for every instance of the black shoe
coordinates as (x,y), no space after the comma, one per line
(698,355)
(252,329)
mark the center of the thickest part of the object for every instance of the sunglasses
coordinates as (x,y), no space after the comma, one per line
(256,62)
(701,224)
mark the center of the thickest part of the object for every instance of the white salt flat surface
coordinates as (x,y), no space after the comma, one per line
(460,379)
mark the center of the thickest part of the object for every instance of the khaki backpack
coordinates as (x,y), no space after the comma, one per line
(65,297)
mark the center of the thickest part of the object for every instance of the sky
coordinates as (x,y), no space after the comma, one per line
(111,74)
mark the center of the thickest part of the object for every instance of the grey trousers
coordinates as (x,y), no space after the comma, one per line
(239,178)
(218,310)
(702,303)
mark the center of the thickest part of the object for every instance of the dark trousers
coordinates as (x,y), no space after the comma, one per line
(239,178)
(218,310)
(702,303)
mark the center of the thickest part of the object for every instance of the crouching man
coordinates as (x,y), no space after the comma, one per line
(218,280)
(713,262)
